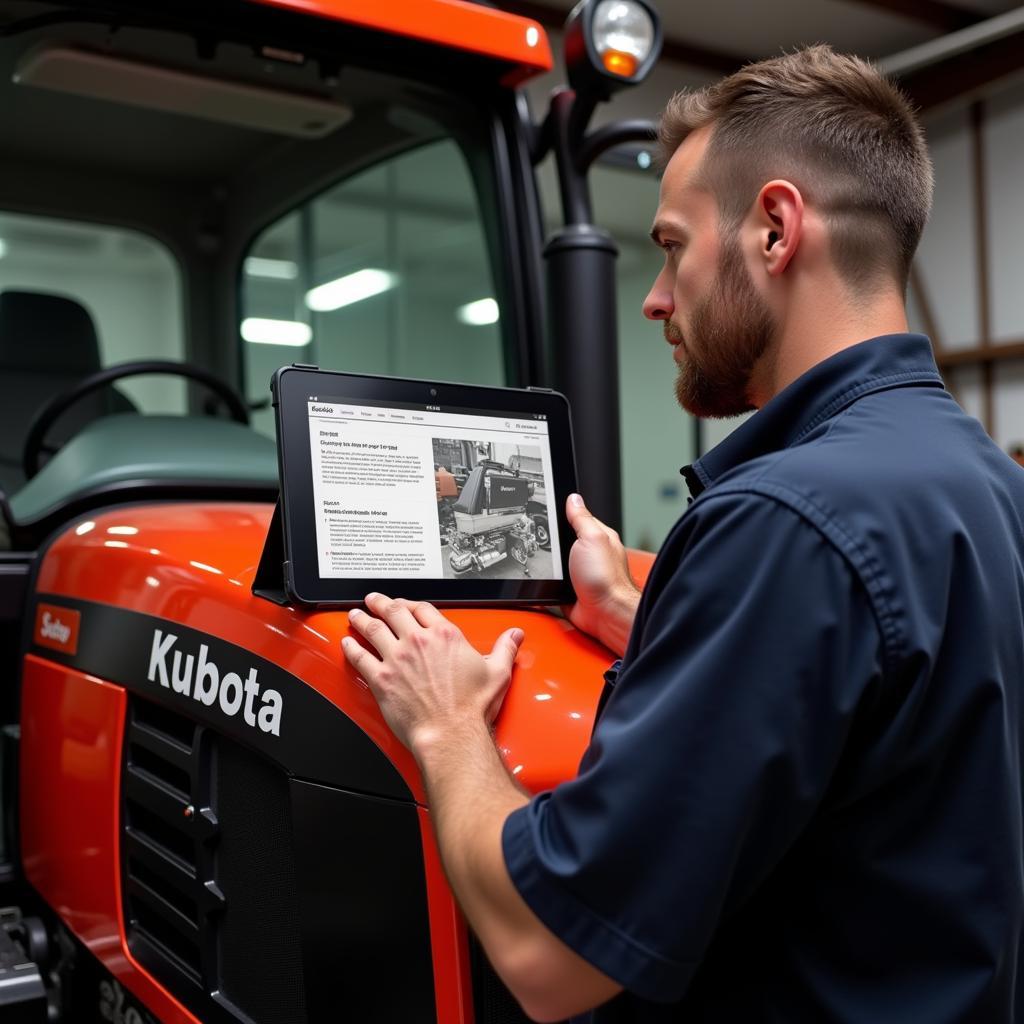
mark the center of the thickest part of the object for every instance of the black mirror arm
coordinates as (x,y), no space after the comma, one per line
(611,135)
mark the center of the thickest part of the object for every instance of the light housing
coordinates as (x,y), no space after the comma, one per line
(610,44)
(137,84)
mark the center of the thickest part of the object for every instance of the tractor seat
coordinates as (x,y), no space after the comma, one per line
(47,344)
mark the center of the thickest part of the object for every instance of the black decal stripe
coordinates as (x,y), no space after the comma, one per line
(317,741)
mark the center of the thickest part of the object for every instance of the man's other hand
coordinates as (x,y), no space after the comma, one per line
(427,678)
(606,596)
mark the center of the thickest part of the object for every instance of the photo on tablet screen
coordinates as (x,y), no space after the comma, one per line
(492,511)
(411,493)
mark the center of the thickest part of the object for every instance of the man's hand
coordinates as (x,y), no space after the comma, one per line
(427,679)
(606,594)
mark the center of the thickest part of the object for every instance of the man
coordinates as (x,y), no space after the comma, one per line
(802,800)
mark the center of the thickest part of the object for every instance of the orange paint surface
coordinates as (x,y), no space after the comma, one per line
(454,23)
(453,989)
(71,729)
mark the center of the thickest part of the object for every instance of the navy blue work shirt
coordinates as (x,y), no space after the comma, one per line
(802,801)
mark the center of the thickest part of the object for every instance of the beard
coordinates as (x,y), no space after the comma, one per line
(730,330)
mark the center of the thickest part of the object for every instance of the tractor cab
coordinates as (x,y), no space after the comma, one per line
(205,818)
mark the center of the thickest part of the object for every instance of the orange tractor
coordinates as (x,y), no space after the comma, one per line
(205,818)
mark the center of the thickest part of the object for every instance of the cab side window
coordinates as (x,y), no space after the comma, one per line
(127,282)
(76,298)
(387,273)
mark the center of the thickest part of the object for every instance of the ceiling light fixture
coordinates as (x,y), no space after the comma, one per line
(343,291)
(280,270)
(260,331)
(479,313)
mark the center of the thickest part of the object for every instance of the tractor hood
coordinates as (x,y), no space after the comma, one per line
(157,598)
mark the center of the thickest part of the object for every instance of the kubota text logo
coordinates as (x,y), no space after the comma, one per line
(206,684)
(57,628)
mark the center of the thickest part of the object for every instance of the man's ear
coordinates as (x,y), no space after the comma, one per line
(779,221)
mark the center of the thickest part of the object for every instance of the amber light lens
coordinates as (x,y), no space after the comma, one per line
(622,35)
(618,63)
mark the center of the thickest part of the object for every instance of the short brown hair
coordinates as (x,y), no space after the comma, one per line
(835,127)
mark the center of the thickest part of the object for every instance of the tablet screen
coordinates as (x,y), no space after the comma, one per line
(434,491)
(402,491)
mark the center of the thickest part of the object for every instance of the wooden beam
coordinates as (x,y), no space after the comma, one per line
(980,356)
(938,14)
(965,73)
(679,50)
(702,57)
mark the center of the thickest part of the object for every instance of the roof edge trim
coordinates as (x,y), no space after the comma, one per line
(455,23)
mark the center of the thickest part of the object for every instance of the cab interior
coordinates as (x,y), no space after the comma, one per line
(177,181)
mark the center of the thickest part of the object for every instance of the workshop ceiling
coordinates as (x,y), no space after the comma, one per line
(721,35)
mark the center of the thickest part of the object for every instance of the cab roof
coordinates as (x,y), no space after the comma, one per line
(455,23)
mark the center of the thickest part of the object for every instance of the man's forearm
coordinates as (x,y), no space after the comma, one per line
(471,793)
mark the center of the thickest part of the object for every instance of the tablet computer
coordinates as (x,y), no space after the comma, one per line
(449,493)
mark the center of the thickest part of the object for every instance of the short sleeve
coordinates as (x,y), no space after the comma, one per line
(755,642)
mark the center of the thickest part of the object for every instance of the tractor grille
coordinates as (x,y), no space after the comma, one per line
(168,905)
(204,828)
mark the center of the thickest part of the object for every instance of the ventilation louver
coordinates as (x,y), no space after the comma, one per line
(168,834)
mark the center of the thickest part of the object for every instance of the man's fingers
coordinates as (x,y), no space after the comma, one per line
(359,658)
(499,667)
(426,614)
(395,613)
(581,520)
(504,652)
(575,511)
(377,632)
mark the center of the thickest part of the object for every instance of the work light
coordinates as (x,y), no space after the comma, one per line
(610,44)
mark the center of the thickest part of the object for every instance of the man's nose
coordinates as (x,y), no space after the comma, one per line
(658,304)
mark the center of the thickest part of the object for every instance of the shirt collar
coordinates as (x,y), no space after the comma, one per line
(891,360)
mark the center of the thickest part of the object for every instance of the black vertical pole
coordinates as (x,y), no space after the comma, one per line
(581,309)
(306,258)
(582,312)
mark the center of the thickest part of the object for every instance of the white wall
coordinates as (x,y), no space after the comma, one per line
(948,258)
(1004,155)
(945,259)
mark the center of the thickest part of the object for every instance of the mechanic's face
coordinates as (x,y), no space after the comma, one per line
(713,316)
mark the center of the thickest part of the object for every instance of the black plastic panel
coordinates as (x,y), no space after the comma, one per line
(260,926)
(255,897)
(366,936)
